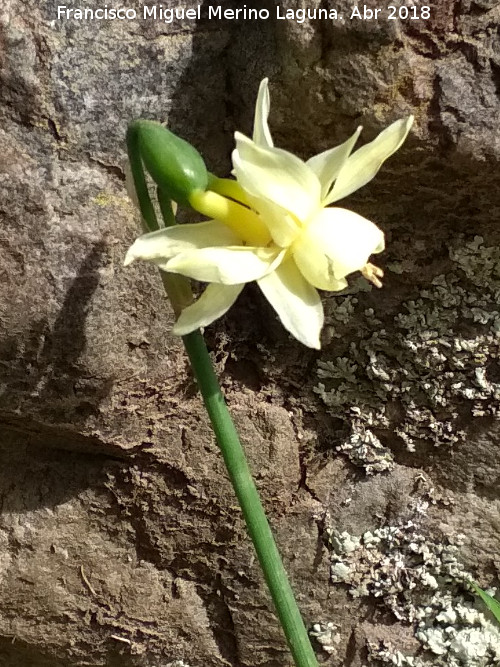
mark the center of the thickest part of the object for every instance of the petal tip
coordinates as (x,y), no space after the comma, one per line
(129,257)
(242,138)
(312,342)
(180,329)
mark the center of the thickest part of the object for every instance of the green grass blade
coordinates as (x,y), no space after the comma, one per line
(492,604)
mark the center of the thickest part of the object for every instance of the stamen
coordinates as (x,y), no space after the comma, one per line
(372,273)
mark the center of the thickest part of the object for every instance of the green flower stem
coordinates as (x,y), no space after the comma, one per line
(177,288)
(226,434)
(150,222)
(165,203)
(248,498)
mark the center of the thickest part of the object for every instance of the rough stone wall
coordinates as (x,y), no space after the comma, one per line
(120,543)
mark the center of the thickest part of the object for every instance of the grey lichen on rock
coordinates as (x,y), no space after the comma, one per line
(424,585)
(422,374)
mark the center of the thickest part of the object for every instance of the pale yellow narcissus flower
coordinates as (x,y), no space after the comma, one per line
(283,234)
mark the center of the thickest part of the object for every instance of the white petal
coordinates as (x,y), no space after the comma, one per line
(362,165)
(261,134)
(212,304)
(278,176)
(327,165)
(164,244)
(230,266)
(296,302)
(280,223)
(316,267)
(345,238)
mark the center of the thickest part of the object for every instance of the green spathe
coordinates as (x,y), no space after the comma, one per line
(175,166)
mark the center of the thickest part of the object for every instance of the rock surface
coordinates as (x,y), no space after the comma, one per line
(120,542)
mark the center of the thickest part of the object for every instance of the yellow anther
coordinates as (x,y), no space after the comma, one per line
(373,274)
